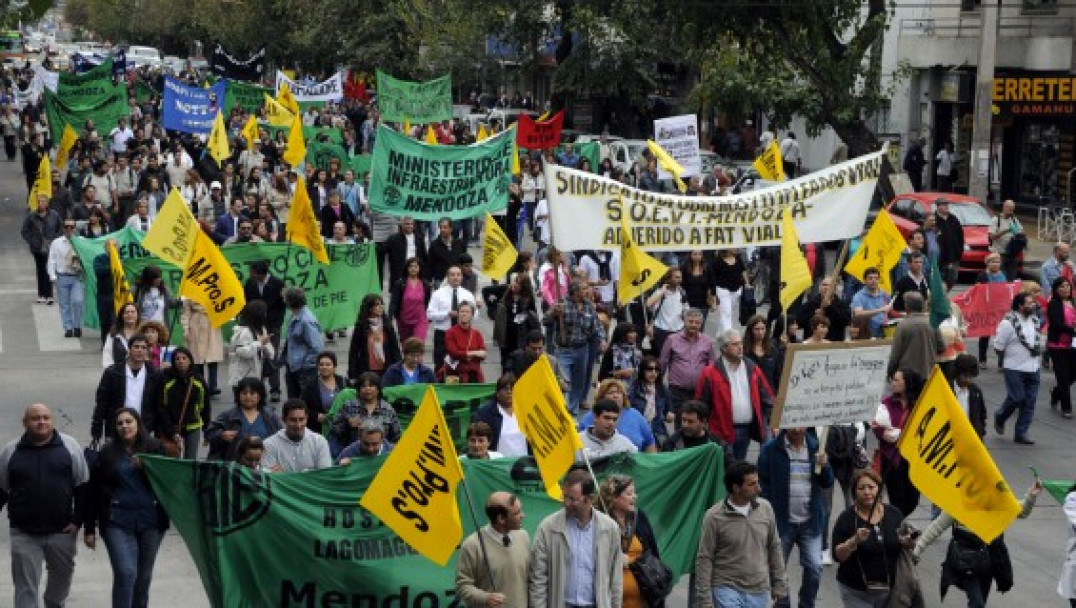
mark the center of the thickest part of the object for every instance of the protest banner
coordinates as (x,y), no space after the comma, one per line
(247,96)
(327,90)
(679,136)
(299,540)
(310,134)
(534,135)
(101,101)
(984,305)
(333,292)
(415,102)
(949,464)
(826,205)
(408,177)
(831,383)
(101,71)
(320,155)
(223,64)
(191,109)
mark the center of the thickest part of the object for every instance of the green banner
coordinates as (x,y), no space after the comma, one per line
(101,71)
(427,182)
(319,154)
(143,92)
(333,292)
(250,96)
(301,539)
(100,100)
(414,102)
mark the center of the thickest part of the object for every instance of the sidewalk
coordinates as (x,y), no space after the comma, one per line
(1038,250)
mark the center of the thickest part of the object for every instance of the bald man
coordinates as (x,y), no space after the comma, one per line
(43,476)
(508,548)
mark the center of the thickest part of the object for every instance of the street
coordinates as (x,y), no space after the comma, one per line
(37,364)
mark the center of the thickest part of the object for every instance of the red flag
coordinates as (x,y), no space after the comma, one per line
(531,135)
(984,305)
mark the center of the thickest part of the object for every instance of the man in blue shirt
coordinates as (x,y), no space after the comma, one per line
(568,158)
(304,342)
(871,301)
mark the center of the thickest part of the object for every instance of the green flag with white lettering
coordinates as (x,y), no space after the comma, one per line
(100,100)
(414,102)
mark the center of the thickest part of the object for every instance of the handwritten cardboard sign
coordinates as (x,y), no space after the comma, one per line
(831,383)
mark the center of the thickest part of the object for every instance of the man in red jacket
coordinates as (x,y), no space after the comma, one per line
(739,395)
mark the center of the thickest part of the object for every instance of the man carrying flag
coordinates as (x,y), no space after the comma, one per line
(42,185)
(303,225)
(795,273)
(544,421)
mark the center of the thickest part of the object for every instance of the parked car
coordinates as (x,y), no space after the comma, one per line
(908,211)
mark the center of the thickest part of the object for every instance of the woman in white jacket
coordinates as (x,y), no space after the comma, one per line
(250,345)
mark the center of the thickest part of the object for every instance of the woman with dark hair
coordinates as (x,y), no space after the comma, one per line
(184,404)
(515,316)
(151,295)
(765,351)
(1061,317)
(320,392)
(96,224)
(250,417)
(369,406)
(373,343)
(698,283)
(409,298)
(888,423)
(621,360)
(125,327)
(617,500)
(251,345)
(120,501)
(650,396)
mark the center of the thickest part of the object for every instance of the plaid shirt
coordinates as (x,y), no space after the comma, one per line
(581,323)
(383,413)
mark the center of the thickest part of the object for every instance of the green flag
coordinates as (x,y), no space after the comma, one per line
(320,154)
(408,177)
(1058,488)
(101,71)
(250,96)
(102,101)
(414,102)
(301,539)
(939,299)
(310,134)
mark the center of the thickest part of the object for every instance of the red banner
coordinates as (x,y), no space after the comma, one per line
(531,135)
(984,305)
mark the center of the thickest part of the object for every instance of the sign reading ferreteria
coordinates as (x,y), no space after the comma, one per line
(414,102)
(828,205)
(302,540)
(1035,95)
(408,177)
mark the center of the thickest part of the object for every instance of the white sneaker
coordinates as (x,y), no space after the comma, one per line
(827,559)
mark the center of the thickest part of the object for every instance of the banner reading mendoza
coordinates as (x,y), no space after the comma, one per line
(408,177)
(827,205)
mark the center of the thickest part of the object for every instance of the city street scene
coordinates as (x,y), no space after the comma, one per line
(547,304)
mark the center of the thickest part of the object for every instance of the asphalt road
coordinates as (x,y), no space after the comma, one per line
(38,364)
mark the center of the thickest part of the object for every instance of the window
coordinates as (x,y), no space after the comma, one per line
(918,212)
(970,5)
(902,208)
(1040,6)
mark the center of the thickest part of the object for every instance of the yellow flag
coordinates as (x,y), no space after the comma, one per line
(42,185)
(171,236)
(881,249)
(545,422)
(218,140)
(303,224)
(498,253)
(483,134)
(67,141)
(639,270)
(948,463)
(516,170)
(407,128)
(295,151)
(668,163)
(250,132)
(795,273)
(431,136)
(769,165)
(286,99)
(278,115)
(414,491)
(121,289)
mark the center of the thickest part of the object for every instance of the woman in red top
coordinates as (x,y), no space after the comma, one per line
(465,347)
(888,424)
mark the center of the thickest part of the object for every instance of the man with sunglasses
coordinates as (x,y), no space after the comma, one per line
(65,272)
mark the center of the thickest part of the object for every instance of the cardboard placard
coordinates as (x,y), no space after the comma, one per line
(831,383)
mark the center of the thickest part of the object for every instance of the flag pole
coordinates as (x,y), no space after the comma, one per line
(478,533)
(586,459)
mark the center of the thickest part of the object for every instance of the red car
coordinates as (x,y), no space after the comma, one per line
(908,211)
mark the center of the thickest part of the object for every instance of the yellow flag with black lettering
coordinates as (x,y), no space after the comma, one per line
(218,140)
(949,464)
(171,235)
(278,115)
(498,253)
(668,163)
(545,422)
(295,151)
(42,185)
(795,272)
(769,164)
(121,289)
(414,491)
(250,132)
(287,99)
(303,224)
(639,270)
(67,141)
(880,248)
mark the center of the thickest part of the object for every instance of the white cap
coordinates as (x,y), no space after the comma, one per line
(215,185)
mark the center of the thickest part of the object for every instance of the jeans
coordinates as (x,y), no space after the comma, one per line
(69,293)
(573,361)
(132,555)
(978,591)
(741,441)
(295,380)
(1021,388)
(810,548)
(727,597)
(28,551)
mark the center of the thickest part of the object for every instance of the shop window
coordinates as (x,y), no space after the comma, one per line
(1038,162)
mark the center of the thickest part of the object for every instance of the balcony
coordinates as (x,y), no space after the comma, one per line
(1031,42)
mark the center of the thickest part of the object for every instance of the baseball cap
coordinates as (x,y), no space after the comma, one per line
(215,185)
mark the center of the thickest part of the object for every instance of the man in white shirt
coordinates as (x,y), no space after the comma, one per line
(65,272)
(441,311)
(790,154)
(119,135)
(667,305)
(1018,337)
(602,268)
(294,449)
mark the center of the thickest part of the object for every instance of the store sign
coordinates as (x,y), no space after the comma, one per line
(1035,95)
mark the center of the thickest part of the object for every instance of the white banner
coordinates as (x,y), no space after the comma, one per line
(827,205)
(833,383)
(679,136)
(329,90)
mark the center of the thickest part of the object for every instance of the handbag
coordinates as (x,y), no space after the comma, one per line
(654,578)
(968,556)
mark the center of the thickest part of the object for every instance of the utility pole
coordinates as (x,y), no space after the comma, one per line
(979,182)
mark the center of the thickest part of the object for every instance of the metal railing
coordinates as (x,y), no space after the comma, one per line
(968,26)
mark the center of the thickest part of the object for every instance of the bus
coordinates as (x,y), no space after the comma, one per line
(12,47)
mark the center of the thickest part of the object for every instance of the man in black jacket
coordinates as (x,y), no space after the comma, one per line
(43,477)
(950,242)
(265,287)
(914,163)
(134,383)
(826,302)
(444,251)
(402,246)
